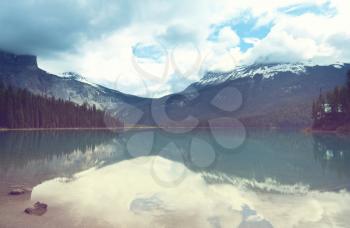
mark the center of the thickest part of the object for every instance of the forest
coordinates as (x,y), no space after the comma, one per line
(21,109)
(331,111)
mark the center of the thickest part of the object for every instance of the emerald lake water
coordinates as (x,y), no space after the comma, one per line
(153,178)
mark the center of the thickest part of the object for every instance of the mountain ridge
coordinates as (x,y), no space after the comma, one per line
(23,72)
(273,95)
(267,70)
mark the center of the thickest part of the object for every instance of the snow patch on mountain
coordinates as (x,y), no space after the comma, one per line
(265,70)
(77,77)
(338,65)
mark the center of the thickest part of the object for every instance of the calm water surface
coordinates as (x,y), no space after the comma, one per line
(156,179)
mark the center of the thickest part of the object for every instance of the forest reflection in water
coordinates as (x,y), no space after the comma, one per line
(333,153)
(286,156)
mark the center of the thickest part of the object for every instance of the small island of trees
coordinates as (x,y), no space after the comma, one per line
(331,111)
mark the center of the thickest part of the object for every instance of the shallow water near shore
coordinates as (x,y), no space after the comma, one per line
(152,178)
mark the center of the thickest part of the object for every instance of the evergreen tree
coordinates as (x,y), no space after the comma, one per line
(21,109)
(348,81)
(339,102)
(314,110)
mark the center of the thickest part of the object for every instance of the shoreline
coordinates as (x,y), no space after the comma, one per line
(304,130)
(320,131)
(75,129)
(131,128)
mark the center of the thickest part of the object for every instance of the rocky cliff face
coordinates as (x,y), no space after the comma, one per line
(10,61)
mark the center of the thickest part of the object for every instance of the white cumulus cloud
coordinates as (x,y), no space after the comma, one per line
(182,30)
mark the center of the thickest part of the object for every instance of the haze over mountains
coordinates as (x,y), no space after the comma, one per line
(273,95)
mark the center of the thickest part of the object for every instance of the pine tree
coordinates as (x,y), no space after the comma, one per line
(21,109)
(314,110)
(339,101)
(335,99)
(322,103)
(348,81)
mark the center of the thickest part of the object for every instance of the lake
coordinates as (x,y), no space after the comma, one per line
(156,178)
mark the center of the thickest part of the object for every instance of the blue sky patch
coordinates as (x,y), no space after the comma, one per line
(149,51)
(245,27)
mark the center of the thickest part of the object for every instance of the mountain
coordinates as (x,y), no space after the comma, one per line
(273,95)
(268,70)
(22,71)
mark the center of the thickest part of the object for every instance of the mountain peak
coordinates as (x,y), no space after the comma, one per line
(267,70)
(9,60)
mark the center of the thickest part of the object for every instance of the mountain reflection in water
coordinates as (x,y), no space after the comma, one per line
(150,177)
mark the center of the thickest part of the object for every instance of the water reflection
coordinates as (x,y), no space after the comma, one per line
(31,157)
(161,179)
(20,148)
(125,194)
(333,153)
(265,156)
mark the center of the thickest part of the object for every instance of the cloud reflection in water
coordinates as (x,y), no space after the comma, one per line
(126,194)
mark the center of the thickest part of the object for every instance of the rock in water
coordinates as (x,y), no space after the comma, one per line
(38,209)
(17,191)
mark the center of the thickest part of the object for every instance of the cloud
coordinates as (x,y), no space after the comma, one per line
(228,37)
(45,27)
(178,34)
(307,37)
(251,40)
(172,42)
(284,47)
(339,41)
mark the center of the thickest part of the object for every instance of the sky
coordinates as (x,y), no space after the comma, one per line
(155,47)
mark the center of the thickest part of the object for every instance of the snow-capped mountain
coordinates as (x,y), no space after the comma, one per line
(268,70)
(278,95)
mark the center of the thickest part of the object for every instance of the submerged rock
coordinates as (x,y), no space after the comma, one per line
(16,192)
(38,209)
(19,190)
